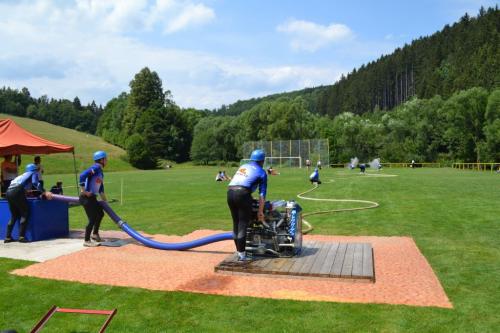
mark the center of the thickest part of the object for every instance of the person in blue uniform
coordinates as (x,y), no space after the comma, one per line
(239,198)
(314,177)
(18,203)
(38,162)
(91,185)
(362,168)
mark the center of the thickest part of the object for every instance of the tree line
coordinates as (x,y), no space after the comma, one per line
(461,56)
(148,123)
(465,127)
(61,112)
(434,100)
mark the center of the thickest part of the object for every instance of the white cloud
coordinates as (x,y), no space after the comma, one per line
(190,15)
(83,50)
(310,36)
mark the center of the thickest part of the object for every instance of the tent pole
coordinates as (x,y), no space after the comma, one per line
(76,178)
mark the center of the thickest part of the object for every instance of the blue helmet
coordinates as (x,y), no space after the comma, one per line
(258,155)
(31,167)
(99,155)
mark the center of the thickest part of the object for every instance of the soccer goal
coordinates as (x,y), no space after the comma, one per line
(290,153)
(282,161)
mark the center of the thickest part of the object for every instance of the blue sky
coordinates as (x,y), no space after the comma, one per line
(207,52)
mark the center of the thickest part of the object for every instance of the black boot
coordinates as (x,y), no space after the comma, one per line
(22,230)
(95,230)
(8,236)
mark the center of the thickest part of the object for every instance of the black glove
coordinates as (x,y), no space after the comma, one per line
(83,199)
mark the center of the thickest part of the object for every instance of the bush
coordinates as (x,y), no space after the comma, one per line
(139,154)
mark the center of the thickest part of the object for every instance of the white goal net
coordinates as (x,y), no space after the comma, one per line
(290,153)
(283,161)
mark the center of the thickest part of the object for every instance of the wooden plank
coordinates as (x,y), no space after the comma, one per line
(303,254)
(322,256)
(260,263)
(229,260)
(329,259)
(286,267)
(318,259)
(339,260)
(357,264)
(227,264)
(275,266)
(347,265)
(368,261)
(309,254)
(306,268)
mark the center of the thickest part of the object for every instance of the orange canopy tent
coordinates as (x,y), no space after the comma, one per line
(15,140)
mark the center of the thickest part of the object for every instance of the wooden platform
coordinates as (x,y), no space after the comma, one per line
(317,259)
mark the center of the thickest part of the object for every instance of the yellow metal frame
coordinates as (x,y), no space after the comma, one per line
(477,166)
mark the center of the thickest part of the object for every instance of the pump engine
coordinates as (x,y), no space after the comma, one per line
(281,233)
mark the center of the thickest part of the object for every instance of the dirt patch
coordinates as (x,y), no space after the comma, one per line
(403,275)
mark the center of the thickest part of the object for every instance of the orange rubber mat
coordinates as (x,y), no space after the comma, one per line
(403,275)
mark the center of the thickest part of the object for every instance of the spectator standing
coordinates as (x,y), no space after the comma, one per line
(9,172)
(38,163)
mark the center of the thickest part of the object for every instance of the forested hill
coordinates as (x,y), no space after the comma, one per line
(461,56)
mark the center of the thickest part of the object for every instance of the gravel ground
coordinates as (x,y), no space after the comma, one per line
(403,275)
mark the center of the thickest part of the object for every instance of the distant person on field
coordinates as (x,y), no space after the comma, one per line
(272,172)
(308,164)
(225,176)
(9,172)
(318,165)
(37,160)
(412,164)
(362,168)
(18,203)
(57,188)
(314,177)
(92,184)
(219,177)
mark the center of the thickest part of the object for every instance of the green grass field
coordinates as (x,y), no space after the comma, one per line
(452,215)
(85,145)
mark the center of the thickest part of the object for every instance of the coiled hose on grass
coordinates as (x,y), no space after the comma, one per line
(370,205)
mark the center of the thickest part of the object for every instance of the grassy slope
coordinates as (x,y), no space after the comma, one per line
(85,145)
(451,214)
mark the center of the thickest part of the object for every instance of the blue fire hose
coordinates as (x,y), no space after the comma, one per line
(146,241)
